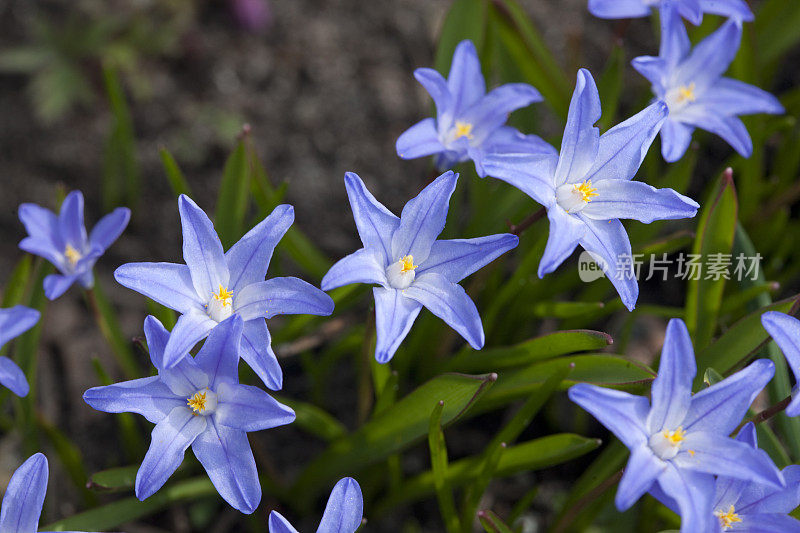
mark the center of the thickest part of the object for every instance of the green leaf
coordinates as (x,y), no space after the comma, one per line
(394,429)
(120,478)
(69,455)
(465,20)
(492,523)
(610,84)
(714,240)
(564,309)
(712,377)
(121,171)
(438,451)
(177,181)
(530,351)
(106,319)
(314,420)
(18,282)
(475,490)
(232,200)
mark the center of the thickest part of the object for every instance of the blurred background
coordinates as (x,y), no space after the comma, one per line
(92,93)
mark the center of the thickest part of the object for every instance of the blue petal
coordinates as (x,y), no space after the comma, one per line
(619,9)
(423,219)
(675,44)
(168,442)
(226,455)
(507,140)
(693,493)
(710,58)
(24,497)
(149,397)
(608,240)
(728,8)
(671,392)
(733,97)
(690,10)
(652,68)
(767,523)
(622,413)
(281,296)
(190,329)
(580,142)
(157,337)
(345,508)
(450,302)
(758,498)
(436,86)
(530,173)
(566,231)
(719,408)
(250,409)
(70,221)
(219,356)
(249,258)
(465,80)
(730,128)
(623,147)
(256,350)
(641,472)
(55,285)
(359,267)
(110,227)
(711,453)
(491,111)
(185,378)
(44,248)
(785,330)
(375,223)
(638,201)
(278,524)
(394,315)
(748,435)
(419,140)
(202,249)
(14,321)
(458,258)
(675,140)
(13,378)
(169,284)
(44,235)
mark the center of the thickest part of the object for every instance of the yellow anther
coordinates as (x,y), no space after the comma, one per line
(686,93)
(463,129)
(197,402)
(72,255)
(587,191)
(224,296)
(691,452)
(727,519)
(407,264)
(675,437)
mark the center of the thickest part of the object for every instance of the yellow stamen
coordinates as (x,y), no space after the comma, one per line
(197,402)
(72,255)
(463,129)
(727,519)
(686,93)
(586,190)
(691,452)
(407,264)
(675,437)
(224,296)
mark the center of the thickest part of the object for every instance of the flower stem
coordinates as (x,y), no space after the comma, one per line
(767,413)
(516,229)
(108,325)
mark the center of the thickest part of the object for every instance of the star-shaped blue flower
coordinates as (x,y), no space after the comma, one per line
(412,268)
(680,440)
(199,403)
(691,10)
(785,330)
(587,188)
(690,81)
(343,513)
(214,285)
(748,506)
(15,321)
(24,497)
(62,240)
(470,123)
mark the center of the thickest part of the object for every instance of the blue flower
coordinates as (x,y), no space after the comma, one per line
(691,10)
(690,81)
(62,240)
(24,497)
(214,285)
(412,268)
(198,403)
(343,512)
(588,188)
(15,321)
(748,506)
(785,330)
(680,440)
(470,123)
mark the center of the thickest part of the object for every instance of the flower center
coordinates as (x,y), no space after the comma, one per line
(221,305)
(727,518)
(401,273)
(72,255)
(203,402)
(679,97)
(572,197)
(666,444)
(463,129)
